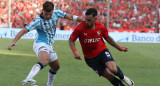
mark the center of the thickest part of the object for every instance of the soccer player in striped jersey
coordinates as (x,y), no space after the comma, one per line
(97,56)
(45,24)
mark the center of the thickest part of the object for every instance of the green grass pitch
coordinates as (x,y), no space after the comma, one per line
(141,63)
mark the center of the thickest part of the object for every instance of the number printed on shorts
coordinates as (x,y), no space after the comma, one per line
(107,54)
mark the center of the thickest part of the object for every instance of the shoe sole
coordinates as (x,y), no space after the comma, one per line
(132,82)
(28,82)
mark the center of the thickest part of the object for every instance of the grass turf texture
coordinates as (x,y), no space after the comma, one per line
(140,63)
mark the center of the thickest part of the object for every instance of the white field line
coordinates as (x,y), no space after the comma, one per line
(13,53)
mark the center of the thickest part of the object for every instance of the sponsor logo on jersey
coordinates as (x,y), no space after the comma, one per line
(92,40)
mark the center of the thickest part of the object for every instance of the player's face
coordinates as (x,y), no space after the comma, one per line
(47,15)
(90,21)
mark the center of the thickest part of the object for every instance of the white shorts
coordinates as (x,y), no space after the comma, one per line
(37,47)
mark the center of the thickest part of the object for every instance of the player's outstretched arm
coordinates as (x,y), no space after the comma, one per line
(74,18)
(74,50)
(110,40)
(18,36)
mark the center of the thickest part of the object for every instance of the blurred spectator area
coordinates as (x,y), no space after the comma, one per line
(123,14)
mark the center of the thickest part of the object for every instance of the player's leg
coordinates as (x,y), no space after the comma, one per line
(96,64)
(115,82)
(110,64)
(43,60)
(108,61)
(54,67)
(117,71)
(114,69)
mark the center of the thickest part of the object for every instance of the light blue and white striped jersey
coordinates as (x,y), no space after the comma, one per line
(46,29)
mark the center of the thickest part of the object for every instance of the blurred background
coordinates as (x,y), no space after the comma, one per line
(117,15)
(131,23)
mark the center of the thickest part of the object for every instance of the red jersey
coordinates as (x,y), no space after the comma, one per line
(91,40)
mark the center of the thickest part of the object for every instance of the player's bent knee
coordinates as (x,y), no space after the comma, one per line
(55,67)
(113,70)
(45,62)
(58,66)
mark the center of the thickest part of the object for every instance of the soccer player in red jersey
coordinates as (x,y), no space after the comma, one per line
(91,34)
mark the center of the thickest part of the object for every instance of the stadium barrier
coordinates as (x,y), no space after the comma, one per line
(146,30)
(64,35)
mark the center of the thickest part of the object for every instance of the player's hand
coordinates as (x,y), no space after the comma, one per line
(77,55)
(11,45)
(125,49)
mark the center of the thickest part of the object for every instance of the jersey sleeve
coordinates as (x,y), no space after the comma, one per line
(105,32)
(74,35)
(33,25)
(60,13)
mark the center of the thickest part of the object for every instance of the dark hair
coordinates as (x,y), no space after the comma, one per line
(91,11)
(48,6)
